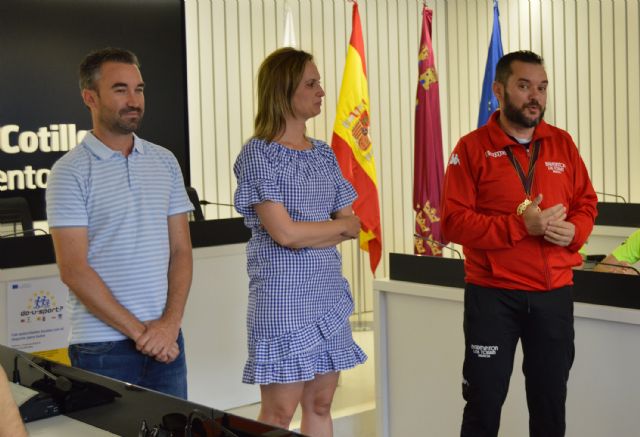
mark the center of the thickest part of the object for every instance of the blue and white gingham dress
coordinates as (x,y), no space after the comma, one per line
(299,302)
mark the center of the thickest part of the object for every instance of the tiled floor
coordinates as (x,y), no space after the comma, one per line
(354,400)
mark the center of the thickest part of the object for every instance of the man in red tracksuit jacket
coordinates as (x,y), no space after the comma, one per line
(518,198)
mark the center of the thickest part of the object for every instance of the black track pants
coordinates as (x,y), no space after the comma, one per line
(494,321)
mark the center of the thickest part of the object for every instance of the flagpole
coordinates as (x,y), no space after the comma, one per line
(359,324)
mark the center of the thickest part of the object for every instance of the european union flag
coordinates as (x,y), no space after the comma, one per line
(488,102)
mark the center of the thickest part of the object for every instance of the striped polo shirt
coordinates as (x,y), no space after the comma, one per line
(124,203)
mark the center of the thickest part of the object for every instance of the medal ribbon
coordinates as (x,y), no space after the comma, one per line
(527,181)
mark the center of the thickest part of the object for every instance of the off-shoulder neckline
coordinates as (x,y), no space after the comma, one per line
(313,141)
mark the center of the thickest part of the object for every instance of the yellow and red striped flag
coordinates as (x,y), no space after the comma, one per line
(352,145)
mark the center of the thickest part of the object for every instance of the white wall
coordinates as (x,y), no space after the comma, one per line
(591,48)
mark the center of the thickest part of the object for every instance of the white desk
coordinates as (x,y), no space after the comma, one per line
(214,323)
(419,347)
(215,329)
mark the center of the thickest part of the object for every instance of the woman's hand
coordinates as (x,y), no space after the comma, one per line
(352,224)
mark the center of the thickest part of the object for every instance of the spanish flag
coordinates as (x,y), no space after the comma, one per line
(351,143)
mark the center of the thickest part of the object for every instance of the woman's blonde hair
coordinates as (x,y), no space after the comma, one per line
(279,76)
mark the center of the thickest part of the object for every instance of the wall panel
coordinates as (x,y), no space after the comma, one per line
(633,92)
(592,52)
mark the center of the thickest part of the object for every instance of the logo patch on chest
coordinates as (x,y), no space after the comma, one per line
(497,154)
(555,167)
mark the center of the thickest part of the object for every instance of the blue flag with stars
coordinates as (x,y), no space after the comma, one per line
(488,102)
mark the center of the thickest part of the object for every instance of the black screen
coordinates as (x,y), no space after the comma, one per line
(42,43)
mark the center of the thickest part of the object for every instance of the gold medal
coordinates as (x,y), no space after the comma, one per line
(527,180)
(523,206)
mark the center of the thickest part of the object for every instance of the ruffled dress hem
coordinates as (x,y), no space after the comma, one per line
(305,339)
(302,367)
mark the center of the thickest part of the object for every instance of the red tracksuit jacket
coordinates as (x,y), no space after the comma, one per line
(482,191)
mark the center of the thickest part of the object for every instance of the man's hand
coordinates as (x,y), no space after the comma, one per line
(536,221)
(159,340)
(560,232)
(170,356)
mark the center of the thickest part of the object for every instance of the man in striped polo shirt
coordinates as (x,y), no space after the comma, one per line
(117,208)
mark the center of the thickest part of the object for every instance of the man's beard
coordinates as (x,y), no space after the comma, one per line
(517,116)
(123,125)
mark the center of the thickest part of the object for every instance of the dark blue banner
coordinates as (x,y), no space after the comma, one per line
(41,112)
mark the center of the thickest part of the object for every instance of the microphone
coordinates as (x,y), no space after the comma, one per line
(197,425)
(613,195)
(637,272)
(62,383)
(206,202)
(437,243)
(23,232)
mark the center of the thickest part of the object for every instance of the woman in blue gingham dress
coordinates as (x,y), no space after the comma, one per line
(298,206)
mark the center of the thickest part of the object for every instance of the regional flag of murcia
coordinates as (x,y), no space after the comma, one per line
(428,165)
(351,143)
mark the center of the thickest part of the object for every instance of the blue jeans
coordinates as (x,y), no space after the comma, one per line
(120,360)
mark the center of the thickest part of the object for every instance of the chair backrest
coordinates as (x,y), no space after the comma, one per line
(195,200)
(15,217)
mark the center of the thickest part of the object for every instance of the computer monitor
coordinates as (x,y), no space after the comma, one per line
(15,218)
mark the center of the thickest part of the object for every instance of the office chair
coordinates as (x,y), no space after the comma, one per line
(15,217)
(197,214)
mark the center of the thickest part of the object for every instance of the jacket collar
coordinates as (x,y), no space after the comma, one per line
(499,138)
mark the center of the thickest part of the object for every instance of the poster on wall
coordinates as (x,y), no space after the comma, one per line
(41,112)
(37,317)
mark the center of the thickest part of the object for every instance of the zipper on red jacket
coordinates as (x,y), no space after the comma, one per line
(541,242)
(546,266)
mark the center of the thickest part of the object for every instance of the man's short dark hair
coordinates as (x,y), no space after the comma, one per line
(503,68)
(90,65)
